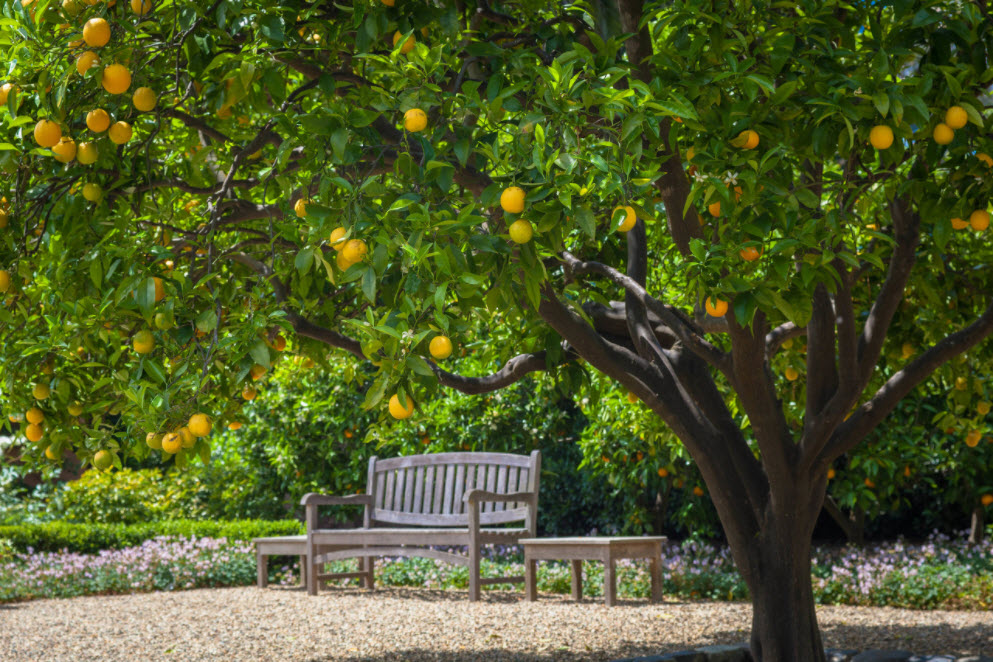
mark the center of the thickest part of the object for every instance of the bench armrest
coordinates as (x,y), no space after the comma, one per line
(475,496)
(315,499)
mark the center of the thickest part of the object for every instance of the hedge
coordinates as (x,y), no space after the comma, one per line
(90,538)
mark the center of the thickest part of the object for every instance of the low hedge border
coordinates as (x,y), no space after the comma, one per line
(91,538)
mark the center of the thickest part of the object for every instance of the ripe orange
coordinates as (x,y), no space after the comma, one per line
(234,425)
(521,231)
(300,207)
(86,61)
(141,7)
(959,224)
(830,474)
(943,134)
(186,437)
(86,153)
(697,491)
(256,372)
(143,342)
(279,343)
(714,208)
(985,158)
(792,374)
(97,120)
(5,91)
(415,120)
(4,280)
(983,408)
(881,136)
(512,200)
(34,432)
(35,415)
(440,347)
(92,192)
(154,441)
(407,45)
(751,139)
(663,472)
(972,438)
(248,393)
(47,133)
(337,238)
(715,307)
(159,289)
(41,391)
(629,219)
(979,220)
(869,483)
(96,32)
(399,411)
(354,250)
(171,443)
(956,117)
(144,99)
(749,253)
(986,499)
(65,150)
(119,133)
(116,79)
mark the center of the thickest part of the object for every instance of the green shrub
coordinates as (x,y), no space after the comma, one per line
(89,538)
(129,497)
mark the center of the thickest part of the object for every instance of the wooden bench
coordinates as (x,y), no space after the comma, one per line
(418,502)
(280,546)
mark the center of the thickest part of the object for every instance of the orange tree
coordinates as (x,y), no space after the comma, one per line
(664,192)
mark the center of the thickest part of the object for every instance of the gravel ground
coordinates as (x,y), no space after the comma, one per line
(417,624)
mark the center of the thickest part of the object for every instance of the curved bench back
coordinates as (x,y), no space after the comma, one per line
(427,490)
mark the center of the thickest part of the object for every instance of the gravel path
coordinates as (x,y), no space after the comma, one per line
(416,624)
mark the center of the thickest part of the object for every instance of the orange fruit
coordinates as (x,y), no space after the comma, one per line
(143,342)
(35,415)
(512,200)
(791,374)
(407,45)
(959,224)
(415,120)
(749,253)
(337,238)
(985,158)
(86,61)
(248,393)
(943,134)
(65,150)
(97,120)
(714,208)
(972,438)
(869,483)
(4,280)
(47,133)
(956,117)
(234,425)
(256,371)
(440,347)
(663,472)
(300,207)
(144,99)
(986,499)
(41,391)
(86,153)
(751,139)
(398,410)
(103,460)
(154,441)
(830,474)
(5,91)
(979,220)
(354,250)
(881,136)
(629,219)
(698,491)
(116,79)
(34,432)
(141,7)
(96,32)
(279,343)
(521,231)
(171,443)
(119,133)
(715,307)
(186,437)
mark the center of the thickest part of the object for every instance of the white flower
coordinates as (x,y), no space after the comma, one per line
(699,177)
(730,178)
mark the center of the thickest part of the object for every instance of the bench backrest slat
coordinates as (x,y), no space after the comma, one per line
(427,490)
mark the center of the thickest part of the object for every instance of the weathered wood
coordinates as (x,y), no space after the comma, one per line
(444,499)
(607,550)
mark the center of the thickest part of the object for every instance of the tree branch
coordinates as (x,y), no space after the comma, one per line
(512,371)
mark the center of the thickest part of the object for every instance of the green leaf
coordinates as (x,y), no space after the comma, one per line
(419,365)
(207,321)
(369,284)
(273,28)
(881,101)
(304,260)
(259,352)
(586,221)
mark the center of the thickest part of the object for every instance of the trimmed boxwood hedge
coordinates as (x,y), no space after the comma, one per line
(89,538)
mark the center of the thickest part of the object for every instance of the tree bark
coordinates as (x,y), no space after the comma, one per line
(977,530)
(784,621)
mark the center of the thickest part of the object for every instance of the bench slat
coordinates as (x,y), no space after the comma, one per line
(438,503)
(410,478)
(460,471)
(398,490)
(501,487)
(507,459)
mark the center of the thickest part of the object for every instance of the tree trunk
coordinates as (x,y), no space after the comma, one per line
(775,563)
(978,529)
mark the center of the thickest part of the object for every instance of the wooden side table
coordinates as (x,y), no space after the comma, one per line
(283,546)
(605,549)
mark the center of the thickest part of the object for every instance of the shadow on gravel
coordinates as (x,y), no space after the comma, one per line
(455,596)
(939,639)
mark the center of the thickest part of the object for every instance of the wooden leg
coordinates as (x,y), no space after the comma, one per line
(655,568)
(609,582)
(474,573)
(370,578)
(262,566)
(577,580)
(530,579)
(311,567)
(303,571)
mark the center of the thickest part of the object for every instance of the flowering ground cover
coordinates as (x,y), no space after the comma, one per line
(939,573)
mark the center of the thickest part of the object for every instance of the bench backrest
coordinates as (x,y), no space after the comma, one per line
(427,490)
